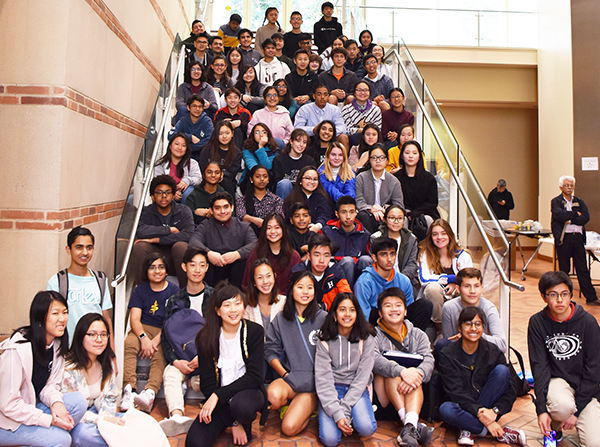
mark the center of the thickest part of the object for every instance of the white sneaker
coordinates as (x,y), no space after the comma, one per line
(176,425)
(127,399)
(145,400)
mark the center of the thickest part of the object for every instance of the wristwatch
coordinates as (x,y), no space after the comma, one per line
(142,335)
(496,410)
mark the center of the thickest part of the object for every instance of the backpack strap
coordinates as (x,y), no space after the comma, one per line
(63,283)
(101,280)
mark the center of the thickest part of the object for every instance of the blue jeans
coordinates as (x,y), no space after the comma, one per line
(363,419)
(496,385)
(284,188)
(87,434)
(186,193)
(36,435)
(353,270)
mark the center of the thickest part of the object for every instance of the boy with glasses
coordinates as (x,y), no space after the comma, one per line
(564,341)
(291,39)
(201,54)
(165,227)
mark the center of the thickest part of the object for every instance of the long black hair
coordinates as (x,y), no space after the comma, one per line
(203,182)
(315,148)
(187,77)
(289,308)
(253,291)
(210,73)
(254,85)
(241,63)
(79,357)
(267,11)
(213,147)
(207,340)
(287,98)
(249,194)
(363,146)
(185,160)
(35,333)
(251,144)
(263,249)
(297,195)
(361,329)
(420,164)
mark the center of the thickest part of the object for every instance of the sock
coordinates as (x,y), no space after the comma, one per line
(402,414)
(483,432)
(412,418)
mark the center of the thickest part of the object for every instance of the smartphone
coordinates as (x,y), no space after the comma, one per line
(550,439)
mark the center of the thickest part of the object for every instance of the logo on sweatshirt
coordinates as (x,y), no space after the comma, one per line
(313,337)
(563,346)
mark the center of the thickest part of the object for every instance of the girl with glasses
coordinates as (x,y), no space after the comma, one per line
(308,189)
(360,112)
(275,117)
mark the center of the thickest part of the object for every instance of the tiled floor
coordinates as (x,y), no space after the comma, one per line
(522,416)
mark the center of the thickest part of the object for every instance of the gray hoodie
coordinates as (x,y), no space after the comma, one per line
(415,342)
(287,339)
(341,362)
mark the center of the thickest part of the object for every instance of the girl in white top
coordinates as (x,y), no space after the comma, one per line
(381,67)
(440,260)
(264,303)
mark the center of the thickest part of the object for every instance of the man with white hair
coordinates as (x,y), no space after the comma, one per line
(569,216)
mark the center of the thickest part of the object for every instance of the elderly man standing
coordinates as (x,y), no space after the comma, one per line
(569,216)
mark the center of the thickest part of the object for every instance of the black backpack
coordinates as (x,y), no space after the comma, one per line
(523,386)
(63,283)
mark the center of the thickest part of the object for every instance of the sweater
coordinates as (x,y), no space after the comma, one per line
(200,198)
(381,85)
(309,115)
(279,122)
(291,43)
(184,91)
(459,262)
(153,224)
(337,188)
(283,272)
(389,194)
(211,235)
(568,350)
(346,83)
(339,361)
(191,173)
(370,284)
(357,67)
(177,302)
(18,398)
(228,35)
(560,216)
(298,240)
(357,117)
(242,114)
(253,313)
(294,342)
(321,210)
(354,244)
(415,342)
(420,193)
(463,384)
(493,331)
(202,129)
(408,247)
(331,283)
(325,32)
(300,85)
(263,33)
(250,57)
(392,120)
(501,211)
(269,72)
(286,167)
(229,171)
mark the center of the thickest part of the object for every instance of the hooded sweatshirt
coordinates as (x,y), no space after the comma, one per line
(202,129)
(355,243)
(279,122)
(18,399)
(381,85)
(325,32)
(153,224)
(568,350)
(295,341)
(341,362)
(269,72)
(370,284)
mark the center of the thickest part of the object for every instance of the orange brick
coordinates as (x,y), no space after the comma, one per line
(38,226)
(78,222)
(92,209)
(90,219)
(102,216)
(88,102)
(44,100)
(68,224)
(28,89)
(6,225)
(79,98)
(21,214)
(58,215)
(58,90)
(1,89)
(9,100)
(75,213)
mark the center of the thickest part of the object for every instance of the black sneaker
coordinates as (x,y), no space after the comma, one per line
(425,434)
(409,436)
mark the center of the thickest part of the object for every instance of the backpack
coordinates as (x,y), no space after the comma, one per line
(63,283)
(181,329)
(523,386)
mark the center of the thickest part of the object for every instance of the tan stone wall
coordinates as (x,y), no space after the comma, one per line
(78,82)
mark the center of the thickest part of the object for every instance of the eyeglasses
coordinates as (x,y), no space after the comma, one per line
(378,157)
(97,335)
(476,324)
(163,193)
(362,90)
(260,132)
(196,69)
(395,97)
(395,219)
(371,62)
(281,86)
(160,267)
(272,95)
(566,295)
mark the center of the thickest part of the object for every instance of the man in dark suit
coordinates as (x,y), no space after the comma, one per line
(569,216)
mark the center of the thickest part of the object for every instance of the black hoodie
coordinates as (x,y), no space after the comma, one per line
(325,32)
(568,350)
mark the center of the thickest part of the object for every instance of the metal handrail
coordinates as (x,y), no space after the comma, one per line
(460,186)
(150,171)
(502,234)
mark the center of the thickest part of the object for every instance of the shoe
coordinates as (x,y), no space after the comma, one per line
(176,425)
(282,411)
(514,437)
(127,399)
(425,434)
(559,436)
(593,303)
(409,436)
(465,438)
(145,400)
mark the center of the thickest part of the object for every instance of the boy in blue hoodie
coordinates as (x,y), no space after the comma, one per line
(197,125)
(383,275)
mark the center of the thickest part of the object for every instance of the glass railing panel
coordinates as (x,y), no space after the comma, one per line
(134,194)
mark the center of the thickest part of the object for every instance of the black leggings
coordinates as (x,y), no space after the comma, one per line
(242,407)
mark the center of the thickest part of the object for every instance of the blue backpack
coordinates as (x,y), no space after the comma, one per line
(181,329)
